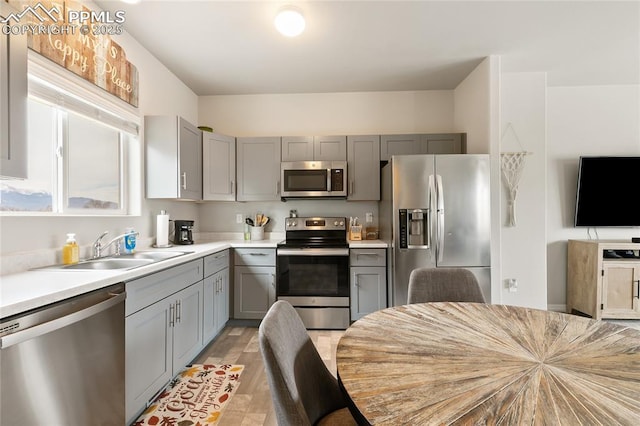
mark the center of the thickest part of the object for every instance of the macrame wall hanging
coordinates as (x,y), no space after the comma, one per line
(512,164)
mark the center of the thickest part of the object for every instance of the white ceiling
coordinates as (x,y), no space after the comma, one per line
(231,47)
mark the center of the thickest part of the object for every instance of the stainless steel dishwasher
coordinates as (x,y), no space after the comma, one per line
(63,364)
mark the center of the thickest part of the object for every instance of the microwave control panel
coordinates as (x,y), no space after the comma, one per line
(337,180)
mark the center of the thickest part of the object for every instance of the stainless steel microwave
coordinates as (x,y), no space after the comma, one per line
(308,179)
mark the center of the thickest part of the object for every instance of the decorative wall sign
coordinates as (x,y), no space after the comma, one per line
(512,164)
(77,38)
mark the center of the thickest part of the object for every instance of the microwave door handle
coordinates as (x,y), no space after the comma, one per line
(329,180)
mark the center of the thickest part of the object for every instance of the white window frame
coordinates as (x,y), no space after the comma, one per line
(52,84)
(63,184)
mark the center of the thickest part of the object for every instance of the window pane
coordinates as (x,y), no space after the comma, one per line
(93,161)
(34,194)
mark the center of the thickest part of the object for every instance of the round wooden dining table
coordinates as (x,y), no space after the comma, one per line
(473,363)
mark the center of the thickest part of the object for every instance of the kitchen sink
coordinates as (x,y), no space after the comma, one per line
(123,261)
(151,255)
(109,263)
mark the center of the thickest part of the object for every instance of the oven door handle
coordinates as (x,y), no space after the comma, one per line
(313,252)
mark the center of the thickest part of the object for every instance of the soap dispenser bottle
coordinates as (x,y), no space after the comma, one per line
(70,251)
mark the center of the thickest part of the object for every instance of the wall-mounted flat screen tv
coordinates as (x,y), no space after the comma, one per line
(608,192)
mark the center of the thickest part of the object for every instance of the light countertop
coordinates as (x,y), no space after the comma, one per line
(32,289)
(368,244)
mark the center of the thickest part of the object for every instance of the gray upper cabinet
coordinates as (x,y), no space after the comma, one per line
(363,167)
(442,143)
(398,145)
(314,148)
(329,148)
(13,101)
(431,143)
(218,167)
(297,148)
(258,169)
(173,148)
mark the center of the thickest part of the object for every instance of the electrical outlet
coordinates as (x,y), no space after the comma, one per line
(368,217)
(512,285)
(239,218)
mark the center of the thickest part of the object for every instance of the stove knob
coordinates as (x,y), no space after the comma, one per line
(341,223)
(335,223)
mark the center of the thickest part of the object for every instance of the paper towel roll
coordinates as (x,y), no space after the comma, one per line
(162,230)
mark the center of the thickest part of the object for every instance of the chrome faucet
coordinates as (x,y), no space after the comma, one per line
(98,247)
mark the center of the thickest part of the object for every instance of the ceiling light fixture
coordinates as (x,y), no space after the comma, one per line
(130,1)
(289,21)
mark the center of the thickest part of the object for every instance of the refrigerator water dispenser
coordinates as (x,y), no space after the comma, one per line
(414,229)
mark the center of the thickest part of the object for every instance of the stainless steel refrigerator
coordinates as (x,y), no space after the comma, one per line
(435,212)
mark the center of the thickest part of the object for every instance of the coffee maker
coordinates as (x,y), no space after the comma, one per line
(183,232)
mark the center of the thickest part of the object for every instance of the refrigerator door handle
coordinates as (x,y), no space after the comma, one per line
(440,218)
(432,212)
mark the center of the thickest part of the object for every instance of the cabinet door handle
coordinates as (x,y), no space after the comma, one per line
(172,321)
(351,189)
(232,185)
(637,295)
(178,310)
(184,180)
(273,280)
(278,188)
(355,281)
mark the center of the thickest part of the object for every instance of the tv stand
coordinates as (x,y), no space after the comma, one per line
(603,279)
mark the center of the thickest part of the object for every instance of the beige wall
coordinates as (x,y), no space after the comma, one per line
(523,246)
(317,114)
(329,113)
(583,120)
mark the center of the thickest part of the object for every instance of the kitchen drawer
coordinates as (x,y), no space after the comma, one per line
(155,287)
(254,257)
(367,257)
(216,262)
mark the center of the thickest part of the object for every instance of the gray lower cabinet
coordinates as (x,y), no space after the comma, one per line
(363,167)
(258,161)
(216,295)
(163,330)
(368,281)
(430,143)
(254,282)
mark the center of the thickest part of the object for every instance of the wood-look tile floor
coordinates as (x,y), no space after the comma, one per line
(251,404)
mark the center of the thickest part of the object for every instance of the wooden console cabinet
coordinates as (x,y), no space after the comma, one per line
(603,287)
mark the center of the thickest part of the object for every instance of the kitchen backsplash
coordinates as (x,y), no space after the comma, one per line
(214,221)
(221,216)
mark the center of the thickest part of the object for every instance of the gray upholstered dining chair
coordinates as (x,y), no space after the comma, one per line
(443,285)
(303,390)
